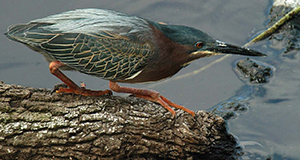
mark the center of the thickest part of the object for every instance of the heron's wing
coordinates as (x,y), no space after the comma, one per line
(107,56)
(103,43)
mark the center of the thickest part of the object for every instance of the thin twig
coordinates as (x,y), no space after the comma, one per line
(275,27)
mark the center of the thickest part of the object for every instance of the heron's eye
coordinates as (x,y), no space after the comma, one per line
(199,44)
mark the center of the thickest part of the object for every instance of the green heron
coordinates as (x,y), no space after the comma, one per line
(119,48)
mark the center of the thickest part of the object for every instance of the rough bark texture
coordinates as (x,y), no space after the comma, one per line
(37,125)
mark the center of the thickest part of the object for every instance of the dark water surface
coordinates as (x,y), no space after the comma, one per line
(269,128)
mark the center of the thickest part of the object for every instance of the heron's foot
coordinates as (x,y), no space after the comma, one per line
(71,86)
(164,102)
(84,92)
(57,86)
(151,96)
(63,88)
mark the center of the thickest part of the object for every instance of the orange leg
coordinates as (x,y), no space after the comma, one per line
(149,95)
(73,88)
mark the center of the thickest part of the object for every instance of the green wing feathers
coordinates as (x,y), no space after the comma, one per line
(104,54)
(29,34)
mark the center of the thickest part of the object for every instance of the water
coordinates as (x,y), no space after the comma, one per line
(269,127)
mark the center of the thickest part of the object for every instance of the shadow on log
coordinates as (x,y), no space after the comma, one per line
(37,125)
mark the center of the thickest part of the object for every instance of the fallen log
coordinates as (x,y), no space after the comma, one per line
(35,124)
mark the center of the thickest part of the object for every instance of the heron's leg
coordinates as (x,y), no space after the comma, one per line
(73,88)
(149,95)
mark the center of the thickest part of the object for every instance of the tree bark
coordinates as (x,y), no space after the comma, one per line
(35,124)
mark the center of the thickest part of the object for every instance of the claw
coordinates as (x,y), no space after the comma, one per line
(57,86)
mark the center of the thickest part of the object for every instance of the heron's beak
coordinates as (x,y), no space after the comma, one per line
(219,47)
